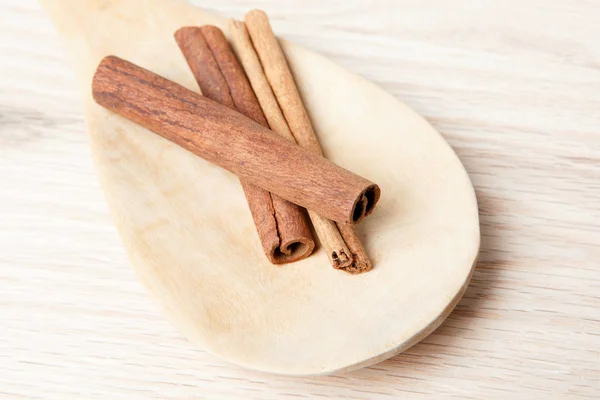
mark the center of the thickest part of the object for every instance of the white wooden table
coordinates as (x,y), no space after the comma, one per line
(513,85)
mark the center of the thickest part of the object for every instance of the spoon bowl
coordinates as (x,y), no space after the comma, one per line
(190,237)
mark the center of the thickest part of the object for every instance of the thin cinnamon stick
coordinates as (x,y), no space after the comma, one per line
(360,259)
(231,140)
(282,226)
(337,252)
(280,78)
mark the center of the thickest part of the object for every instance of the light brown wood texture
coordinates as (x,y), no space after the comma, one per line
(296,320)
(513,86)
(190,248)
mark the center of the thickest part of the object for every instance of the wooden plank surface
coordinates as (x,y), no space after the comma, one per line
(514,86)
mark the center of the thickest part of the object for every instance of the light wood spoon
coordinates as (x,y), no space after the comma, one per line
(189,234)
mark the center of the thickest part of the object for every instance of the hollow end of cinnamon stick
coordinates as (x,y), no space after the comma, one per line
(287,246)
(292,251)
(365,203)
(360,260)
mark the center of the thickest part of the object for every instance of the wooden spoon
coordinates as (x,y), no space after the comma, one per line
(189,234)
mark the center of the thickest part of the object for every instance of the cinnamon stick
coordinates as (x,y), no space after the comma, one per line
(282,226)
(231,140)
(277,72)
(337,252)
(360,259)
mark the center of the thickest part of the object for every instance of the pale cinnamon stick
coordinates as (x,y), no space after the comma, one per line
(338,253)
(282,226)
(280,78)
(231,140)
(360,259)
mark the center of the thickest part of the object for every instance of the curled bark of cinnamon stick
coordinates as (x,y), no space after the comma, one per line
(229,139)
(277,72)
(360,260)
(282,226)
(338,253)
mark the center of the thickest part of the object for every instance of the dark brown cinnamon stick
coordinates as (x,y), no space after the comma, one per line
(282,226)
(231,140)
